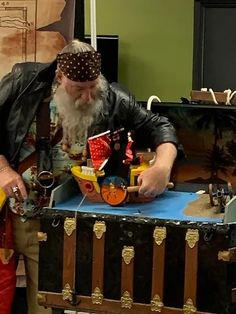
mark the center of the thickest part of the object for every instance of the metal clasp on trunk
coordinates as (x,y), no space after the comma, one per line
(156,304)
(128,254)
(99,229)
(97,296)
(192,237)
(69,225)
(126,300)
(189,308)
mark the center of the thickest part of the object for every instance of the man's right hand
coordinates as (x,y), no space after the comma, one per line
(11,183)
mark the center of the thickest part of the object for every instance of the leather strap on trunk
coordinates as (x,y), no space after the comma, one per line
(69,260)
(159,236)
(99,230)
(191,266)
(127,277)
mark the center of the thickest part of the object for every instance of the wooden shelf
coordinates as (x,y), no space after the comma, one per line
(155,105)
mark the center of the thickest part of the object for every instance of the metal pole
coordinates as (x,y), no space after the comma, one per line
(93,24)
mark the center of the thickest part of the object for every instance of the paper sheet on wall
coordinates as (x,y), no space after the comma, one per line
(33,30)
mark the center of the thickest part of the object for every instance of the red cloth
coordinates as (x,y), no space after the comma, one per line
(7,285)
(7,269)
(100,150)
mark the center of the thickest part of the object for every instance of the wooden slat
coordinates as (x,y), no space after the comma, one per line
(158,267)
(233,295)
(191,265)
(127,275)
(232,254)
(98,260)
(111,306)
(69,258)
(197,95)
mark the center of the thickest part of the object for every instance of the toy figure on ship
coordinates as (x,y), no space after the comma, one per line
(100,181)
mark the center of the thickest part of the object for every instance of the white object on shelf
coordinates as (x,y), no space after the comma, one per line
(150,100)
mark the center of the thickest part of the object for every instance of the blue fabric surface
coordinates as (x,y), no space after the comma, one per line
(170,205)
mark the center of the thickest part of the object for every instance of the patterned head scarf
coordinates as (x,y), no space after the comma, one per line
(80,67)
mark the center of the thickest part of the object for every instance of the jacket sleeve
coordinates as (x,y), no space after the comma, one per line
(150,130)
(8,93)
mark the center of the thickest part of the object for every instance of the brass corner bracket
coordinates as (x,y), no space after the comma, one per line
(156,304)
(224,256)
(41,298)
(67,293)
(189,308)
(42,236)
(126,300)
(97,296)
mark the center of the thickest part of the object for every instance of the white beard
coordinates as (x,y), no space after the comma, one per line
(76,116)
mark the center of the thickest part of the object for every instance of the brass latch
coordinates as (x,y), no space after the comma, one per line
(224,256)
(42,236)
(227,255)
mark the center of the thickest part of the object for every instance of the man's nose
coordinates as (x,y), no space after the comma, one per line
(86,95)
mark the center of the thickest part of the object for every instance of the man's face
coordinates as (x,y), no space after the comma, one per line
(78,104)
(84,92)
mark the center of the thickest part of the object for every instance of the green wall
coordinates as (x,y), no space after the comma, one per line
(155,44)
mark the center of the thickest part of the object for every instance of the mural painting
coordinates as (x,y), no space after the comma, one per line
(33,30)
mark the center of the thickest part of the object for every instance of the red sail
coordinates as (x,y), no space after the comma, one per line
(100,150)
(128,151)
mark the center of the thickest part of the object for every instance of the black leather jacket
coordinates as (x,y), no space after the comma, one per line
(22,91)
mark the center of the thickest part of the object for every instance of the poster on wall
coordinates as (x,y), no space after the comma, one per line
(34,30)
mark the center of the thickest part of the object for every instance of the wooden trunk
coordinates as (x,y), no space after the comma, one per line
(141,258)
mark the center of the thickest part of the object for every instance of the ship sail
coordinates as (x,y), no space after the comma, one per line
(100,150)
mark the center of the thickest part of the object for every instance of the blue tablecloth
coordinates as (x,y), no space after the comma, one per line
(170,205)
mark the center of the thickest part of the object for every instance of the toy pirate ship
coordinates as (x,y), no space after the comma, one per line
(112,189)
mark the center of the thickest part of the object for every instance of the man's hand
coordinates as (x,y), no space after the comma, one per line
(153,181)
(12,183)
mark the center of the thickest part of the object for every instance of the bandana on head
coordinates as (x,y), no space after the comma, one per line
(80,67)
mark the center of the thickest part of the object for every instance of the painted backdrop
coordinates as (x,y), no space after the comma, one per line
(33,30)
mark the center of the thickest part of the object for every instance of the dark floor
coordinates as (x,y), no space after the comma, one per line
(20,305)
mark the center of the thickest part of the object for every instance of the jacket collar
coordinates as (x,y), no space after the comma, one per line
(43,78)
(48,73)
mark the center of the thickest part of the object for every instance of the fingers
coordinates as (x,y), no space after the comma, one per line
(139,180)
(22,188)
(148,193)
(17,194)
(150,190)
(144,189)
(8,191)
(13,185)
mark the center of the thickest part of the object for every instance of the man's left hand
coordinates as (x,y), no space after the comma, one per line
(153,181)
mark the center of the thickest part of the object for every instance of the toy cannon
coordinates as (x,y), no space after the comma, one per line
(219,196)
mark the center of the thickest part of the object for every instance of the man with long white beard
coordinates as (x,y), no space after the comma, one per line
(37,102)
(78,114)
